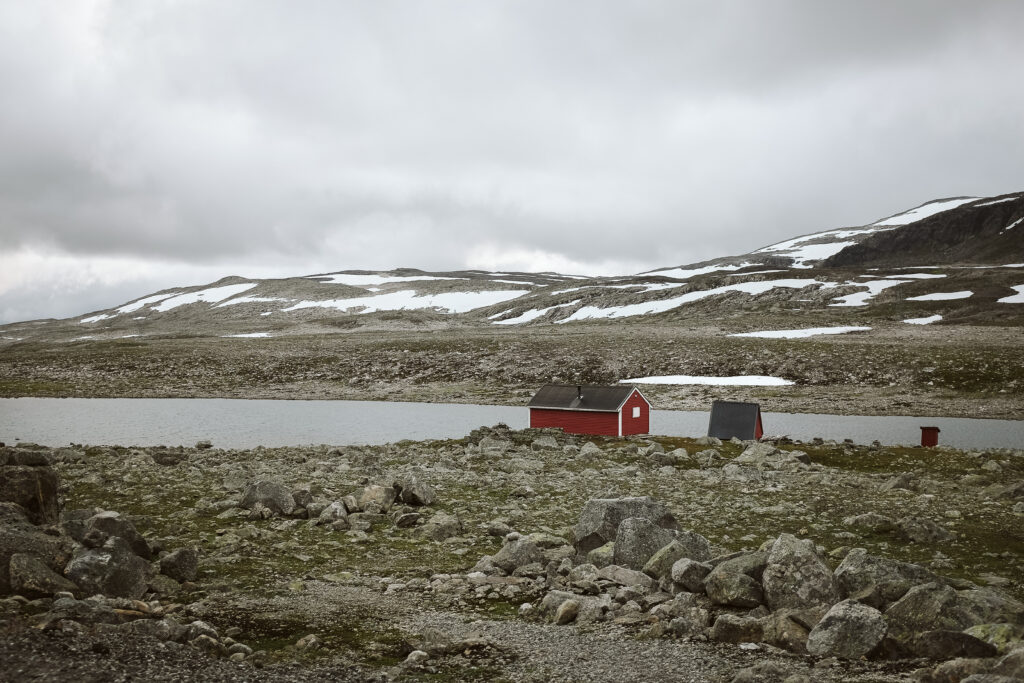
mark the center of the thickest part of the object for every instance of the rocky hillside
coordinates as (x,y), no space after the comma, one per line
(948,261)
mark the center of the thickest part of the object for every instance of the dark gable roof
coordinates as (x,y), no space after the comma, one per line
(733,418)
(602,399)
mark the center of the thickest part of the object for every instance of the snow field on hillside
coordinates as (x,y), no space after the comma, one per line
(210,295)
(942,296)
(734,381)
(1017,298)
(407,300)
(924,321)
(801,334)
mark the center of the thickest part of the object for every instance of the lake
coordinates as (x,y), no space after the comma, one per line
(238,423)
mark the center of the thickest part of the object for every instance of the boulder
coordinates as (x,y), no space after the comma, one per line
(21,538)
(567,612)
(1004,637)
(181,565)
(928,607)
(412,491)
(637,540)
(789,628)
(877,581)
(332,513)
(272,495)
(602,556)
(661,562)
(112,570)
(32,578)
(872,522)
(690,574)
(797,576)
(517,552)
(922,530)
(545,442)
(34,488)
(624,576)
(113,524)
(849,630)
(441,526)
(376,498)
(944,645)
(599,522)
(736,581)
(731,628)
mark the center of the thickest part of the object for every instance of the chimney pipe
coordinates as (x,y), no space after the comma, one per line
(579,392)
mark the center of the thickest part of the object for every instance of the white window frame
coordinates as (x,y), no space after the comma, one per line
(636,412)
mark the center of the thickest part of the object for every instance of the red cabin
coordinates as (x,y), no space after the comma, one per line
(618,410)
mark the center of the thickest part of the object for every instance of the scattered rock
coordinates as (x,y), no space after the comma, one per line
(849,630)
(599,522)
(797,576)
(271,495)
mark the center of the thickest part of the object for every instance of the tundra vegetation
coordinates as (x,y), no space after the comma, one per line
(513,555)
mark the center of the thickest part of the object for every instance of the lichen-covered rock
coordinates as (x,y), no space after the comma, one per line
(599,522)
(516,552)
(21,538)
(849,630)
(637,540)
(797,576)
(603,555)
(625,576)
(110,570)
(736,581)
(567,612)
(181,564)
(789,628)
(34,488)
(441,526)
(376,499)
(877,581)
(872,522)
(113,524)
(272,495)
(922,530)
(731,628)
(1004,637)
(943,645)
(690,574)
(32,578)
(332,513)
(412,491)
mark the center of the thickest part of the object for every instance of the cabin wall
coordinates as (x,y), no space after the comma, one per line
(636,425)
(605,424)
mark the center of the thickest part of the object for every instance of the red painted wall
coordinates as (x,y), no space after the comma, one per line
(636,425)
(606,424)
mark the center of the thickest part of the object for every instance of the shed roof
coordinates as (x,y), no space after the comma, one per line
(733,418)
(602,399)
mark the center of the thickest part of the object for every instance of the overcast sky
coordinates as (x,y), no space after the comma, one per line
(148,144)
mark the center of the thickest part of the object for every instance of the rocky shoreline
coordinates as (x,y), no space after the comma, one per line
(513,555)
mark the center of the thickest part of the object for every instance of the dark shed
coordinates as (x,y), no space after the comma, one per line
(735,419)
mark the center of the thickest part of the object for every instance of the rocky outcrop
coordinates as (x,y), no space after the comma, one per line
(599,522)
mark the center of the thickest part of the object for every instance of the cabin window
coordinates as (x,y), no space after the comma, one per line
(636,411)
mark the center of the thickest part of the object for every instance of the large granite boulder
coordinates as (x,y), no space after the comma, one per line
(599,522)
(797,576)
(270,494)
(113,524)
(517,552)
(112,569)
(850,630)
(33,578)
(34,488)
(181,565)
(53,551)
(737,581)
(637,540)
(938,607)
(413,491)
(877,581)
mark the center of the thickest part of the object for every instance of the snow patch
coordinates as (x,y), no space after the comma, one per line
(1017,298)
(211,295)
(914,276)
(249,335)
(532,314)
(136,305)
(875,287)
(924,321)
(942,296)
(663,305)
(406,300)
(924,211)
(250,300)
(999,201)
(95,318)
(739,380)
(1011,226)
(800,334)
(686,273)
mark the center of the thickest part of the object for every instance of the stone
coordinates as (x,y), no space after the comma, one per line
(637,540)
(922,530)
(413,491)
(590,450)
(690,574)
(661,563)
(602,556)
(332,513)
(302,498)
(21,538)
(797,576)
(493,447)
(204,444)
(408,520)
(516,553)
(757,453)
(789,628)
(309,642)
(567,612)
(600,519)
(34,488)
(872,522)
(1004,637)
(181,565)
(876,580)
(943,645)
(546,442)
(736,581)
(272,495)
(379,497)
(904,480)
(849,630)
(764,672)
(1011,665)
(928,607)
(731,628)
(624,576)
(111,570)
(441,526)
(32,578)
(113,524)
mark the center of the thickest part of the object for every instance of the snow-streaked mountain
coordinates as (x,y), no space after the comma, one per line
(958,259)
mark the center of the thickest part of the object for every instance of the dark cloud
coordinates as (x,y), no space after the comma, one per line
(390,133)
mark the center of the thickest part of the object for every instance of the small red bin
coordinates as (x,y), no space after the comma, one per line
(930,436)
